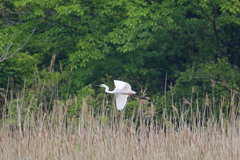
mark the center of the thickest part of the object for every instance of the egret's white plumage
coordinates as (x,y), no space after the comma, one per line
(122,91)
(122,85)
(121,101)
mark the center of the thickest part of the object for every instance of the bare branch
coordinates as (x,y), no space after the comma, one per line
(5,52)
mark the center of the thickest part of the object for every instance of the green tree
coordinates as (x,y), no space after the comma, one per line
(138,41)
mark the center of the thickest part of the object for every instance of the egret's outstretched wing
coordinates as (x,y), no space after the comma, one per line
(121,100)
(122,85)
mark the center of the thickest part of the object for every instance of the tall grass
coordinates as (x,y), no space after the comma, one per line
(39,124)
(37,134)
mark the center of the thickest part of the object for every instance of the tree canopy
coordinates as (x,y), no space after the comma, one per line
(146,43)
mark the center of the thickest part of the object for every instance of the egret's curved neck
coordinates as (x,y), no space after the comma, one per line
(107,89)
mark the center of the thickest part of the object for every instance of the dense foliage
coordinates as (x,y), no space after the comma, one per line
(174,48)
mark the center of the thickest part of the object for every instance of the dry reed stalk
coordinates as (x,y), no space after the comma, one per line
(99,141)
(40,135)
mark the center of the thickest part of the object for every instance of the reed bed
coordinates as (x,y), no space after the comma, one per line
(55,135)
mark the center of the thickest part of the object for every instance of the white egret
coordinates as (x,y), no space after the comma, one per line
(122,91)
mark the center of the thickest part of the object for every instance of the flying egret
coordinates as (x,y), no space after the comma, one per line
(122,91)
